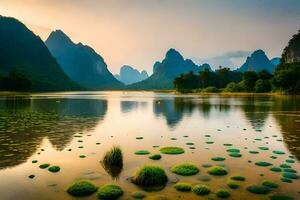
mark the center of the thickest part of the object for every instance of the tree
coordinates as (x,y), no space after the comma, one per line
(249,80)
(262,86)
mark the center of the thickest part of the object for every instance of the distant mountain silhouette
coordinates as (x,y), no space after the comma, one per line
(129,75)
(292,52)
(275,61)
(257,61)
(166,71)
(23,51)
(81,63)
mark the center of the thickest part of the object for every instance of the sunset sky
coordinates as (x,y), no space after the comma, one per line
(139,32)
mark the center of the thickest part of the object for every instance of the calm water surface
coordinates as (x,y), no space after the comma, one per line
(57,128)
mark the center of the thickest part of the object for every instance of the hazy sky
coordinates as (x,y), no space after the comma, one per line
(139,32)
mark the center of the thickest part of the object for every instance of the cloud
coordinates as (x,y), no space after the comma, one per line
(229,59)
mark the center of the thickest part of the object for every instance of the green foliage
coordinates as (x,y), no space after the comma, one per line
(185,169)
(234,87)
(155,157)
(54,169)
(249,80)
(286,77)
(238,178)
(262,86)
(270,184)
(44,166)
(258,189)
(110,192)
(184,187)
(81,188)
(201,189)
(114,157)
(233,184)
(15,81)
(150,175)
(142,152)
(211,89)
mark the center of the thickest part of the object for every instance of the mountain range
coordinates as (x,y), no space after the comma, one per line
(81,63)
(22,51)
(292,52)
(166,71)
(128,75)
(258,61)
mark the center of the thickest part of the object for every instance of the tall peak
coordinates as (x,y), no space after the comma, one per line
(60,36)
(173,54)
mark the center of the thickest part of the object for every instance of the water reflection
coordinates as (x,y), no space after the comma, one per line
(24,123)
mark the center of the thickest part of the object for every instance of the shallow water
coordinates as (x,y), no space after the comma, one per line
(51,127)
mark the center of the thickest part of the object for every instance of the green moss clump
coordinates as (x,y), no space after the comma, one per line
(31,176)
(142,152)
(263,164)
(34,161)
(218,159)
(189,143)
(139,138)
(150,175)
(264,148)
(232,184)
(238,178)
(273,157)
(82,156)
(201,189)
(227,145)
(286,180)
(113,157)
(290,175)
(290,170)
(222,193)
(155,157)
(183,187)
(110,192)
(172,150)
(233,150)
(258,189)
(209,142)
(280,197)
(235,155)
(185,169)
(54,169)
(138,195)
(278,152)
(44,166)
(270,184)
(81,188)
(285,166)
(254,152)
(290,161)
(276,169)
(217,171)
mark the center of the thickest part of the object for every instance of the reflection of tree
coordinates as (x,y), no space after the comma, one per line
(24,124)
(128,106)
(287,117)
(256,110)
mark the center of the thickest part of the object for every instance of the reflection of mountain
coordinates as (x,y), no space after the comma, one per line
(24,123)
(128,106)
(256,110)
(289,122)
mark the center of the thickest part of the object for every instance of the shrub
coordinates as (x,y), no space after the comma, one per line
(110,192)
(185,169)
(234,87)
(150,175)
(81,188)
(184,187)
(211,89)
(201,189)
(262,86)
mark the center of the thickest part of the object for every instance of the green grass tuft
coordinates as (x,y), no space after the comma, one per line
(155,157)
(142,152)
(217,171)
(81,188)
(113,157)
(290,175)
(218,159)
(183,187)
(138,195)
(280,197)
(263,164)
(238,178)
(200,189)
(258,189)
(185,169)
(54,169)
(233,184)
(44,166)
(110,192)
(222,193)
(172,150)
(270,184)
(150,175)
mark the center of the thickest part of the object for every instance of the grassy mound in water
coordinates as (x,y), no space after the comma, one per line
(113,157)
(172,150)
(263,164)
(155,157)
(81,188)
(44,166)
(141,152)
(290,175)
(278,152)
(150,175)
(232,184)
(276,169)
(238,178)
(270,184)
(54,169)
(217,171)
(110,192)
(258,189)
(183,187)
(218,159)
(200,189)
(233,150)
(235,155)
(185,169)
(222,193)
(138,195)
(280,197)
